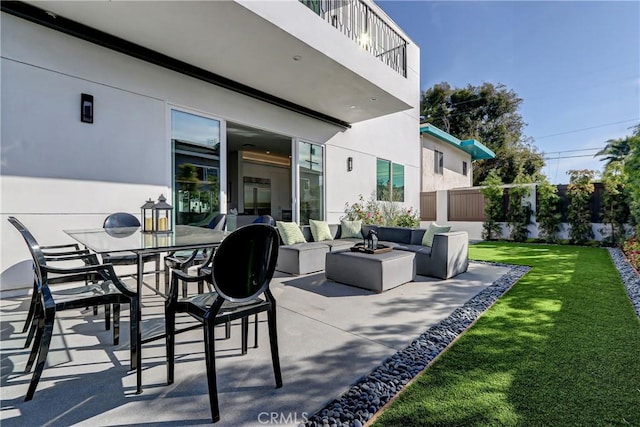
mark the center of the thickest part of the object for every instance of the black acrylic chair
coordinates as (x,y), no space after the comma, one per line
(243,266)
(106,289)
(126,220)
(183,260)
(57,253)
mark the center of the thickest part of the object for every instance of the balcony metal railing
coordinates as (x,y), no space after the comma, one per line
(361,24)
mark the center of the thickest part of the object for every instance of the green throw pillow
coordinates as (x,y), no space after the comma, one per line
(427,239)
(351,229)
(290,232)
(320,230)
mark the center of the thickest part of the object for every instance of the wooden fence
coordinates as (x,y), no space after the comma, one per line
(428,206)
(468,204)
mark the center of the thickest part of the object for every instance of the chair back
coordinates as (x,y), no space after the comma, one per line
(218,222)
(120,220)
(36,254)
(265,219)
(32,244)
(244,263)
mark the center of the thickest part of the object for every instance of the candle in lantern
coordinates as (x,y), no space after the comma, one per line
(162,224)
(148,224)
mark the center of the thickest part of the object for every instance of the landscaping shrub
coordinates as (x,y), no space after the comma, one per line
(407,217)
(492,192)
(374,212)
(631,249)
(368,212)
(548,212)
(615,206)
(519,214)
(579,192)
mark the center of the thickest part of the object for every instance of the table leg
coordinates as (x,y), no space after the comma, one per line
(137,341)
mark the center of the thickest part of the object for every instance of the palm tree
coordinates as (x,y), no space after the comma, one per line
(617,150)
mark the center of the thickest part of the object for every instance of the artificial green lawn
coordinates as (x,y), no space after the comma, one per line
(561,348)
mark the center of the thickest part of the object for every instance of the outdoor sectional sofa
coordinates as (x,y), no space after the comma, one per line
(447,257)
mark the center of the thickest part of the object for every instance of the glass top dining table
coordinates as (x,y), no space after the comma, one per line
(132,239)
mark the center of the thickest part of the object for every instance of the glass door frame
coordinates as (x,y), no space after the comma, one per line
(295,177)
(222,172)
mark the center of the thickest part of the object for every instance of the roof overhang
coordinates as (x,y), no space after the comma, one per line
(226,44)
(474,148)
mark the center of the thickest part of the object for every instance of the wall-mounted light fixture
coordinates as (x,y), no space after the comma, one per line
(349,164)
(86,108)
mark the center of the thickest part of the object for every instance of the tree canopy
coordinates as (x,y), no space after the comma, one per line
(622,157)
(489,114)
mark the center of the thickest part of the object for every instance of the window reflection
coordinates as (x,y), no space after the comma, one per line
(389,181)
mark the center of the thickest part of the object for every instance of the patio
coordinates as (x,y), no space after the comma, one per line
(330,335)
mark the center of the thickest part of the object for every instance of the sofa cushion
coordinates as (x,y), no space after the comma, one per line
(395,234)
(351,229)
(427,239)
(320,230)
(290,232)
(340,244)
(425,250)
(416,236)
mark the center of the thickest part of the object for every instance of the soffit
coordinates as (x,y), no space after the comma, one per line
(226,38)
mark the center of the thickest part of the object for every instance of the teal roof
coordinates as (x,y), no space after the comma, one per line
(474,148)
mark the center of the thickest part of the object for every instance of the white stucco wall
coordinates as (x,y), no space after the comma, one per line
(452,176)
(366,142)
(58,173)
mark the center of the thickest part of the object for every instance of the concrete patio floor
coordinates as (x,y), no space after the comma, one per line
(329,336)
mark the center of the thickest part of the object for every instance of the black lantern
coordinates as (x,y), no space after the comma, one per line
(162,216)
(146,216)
(371,241)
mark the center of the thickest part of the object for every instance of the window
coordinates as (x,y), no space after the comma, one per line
(389,181)
(465,171)
(311,181)
(196,159)
(439,162)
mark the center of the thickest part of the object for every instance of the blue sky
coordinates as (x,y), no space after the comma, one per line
(575,64)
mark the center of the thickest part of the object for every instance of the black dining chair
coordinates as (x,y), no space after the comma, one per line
(183,260)
(56,253)
(242,269)
(126,220)
(106,289)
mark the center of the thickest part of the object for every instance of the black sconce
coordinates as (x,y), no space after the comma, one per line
(86,108)
(349,164)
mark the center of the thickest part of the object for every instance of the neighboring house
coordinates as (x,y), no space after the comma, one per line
(283,107)
(447,162)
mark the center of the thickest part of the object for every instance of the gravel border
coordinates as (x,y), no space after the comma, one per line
(371,392)
(629,276)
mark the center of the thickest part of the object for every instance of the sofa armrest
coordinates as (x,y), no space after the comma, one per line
(449,255)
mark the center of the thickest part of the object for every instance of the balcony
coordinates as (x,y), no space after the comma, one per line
(361,24)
